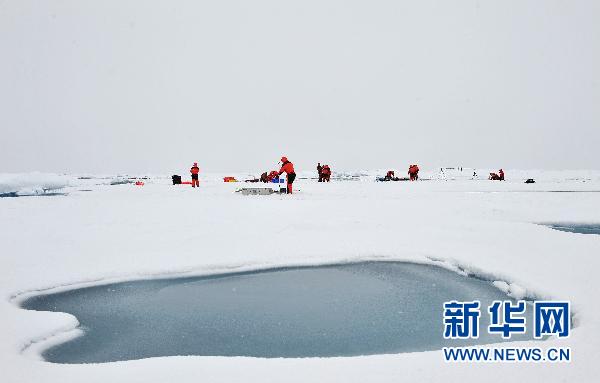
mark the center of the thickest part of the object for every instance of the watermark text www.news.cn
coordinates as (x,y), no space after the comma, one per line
(550,318)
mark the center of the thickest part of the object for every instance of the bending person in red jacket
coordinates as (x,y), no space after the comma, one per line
(288,168)
(195,170)
(413,172)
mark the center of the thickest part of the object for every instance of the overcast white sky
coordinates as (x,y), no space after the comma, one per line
(150,86)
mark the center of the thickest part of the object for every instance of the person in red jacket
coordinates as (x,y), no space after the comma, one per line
(501,174)
(413,172)
(326,173)
(195,170)
(274,174)
(288,168)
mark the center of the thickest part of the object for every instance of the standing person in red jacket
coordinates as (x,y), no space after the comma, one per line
(288,168)
(326,173)
(195,170)
(501,174)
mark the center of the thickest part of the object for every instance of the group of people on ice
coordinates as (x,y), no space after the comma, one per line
(497,176)
(413,175)
(286,167)
(324,172)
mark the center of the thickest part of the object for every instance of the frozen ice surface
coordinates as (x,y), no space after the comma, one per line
(123,232)
(339,310)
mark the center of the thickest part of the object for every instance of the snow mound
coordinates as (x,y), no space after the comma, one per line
(25,184)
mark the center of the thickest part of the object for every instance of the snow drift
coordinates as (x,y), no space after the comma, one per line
(24,184)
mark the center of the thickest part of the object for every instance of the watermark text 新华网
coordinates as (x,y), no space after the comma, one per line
(550,318)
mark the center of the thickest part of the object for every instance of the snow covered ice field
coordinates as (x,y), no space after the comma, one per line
(123,232)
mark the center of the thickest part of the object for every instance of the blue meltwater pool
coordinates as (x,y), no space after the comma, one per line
(580,228)
(322,311)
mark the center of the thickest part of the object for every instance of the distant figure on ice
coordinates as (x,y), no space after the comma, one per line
(288,168)
(319,170)
(390,176)
(195,170)
(501,174)
(266,178)
(413,172)
(325,173)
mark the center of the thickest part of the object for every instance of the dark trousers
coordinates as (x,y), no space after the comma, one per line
(290,180)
